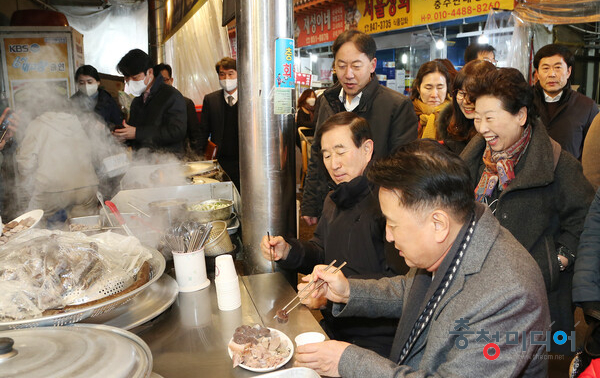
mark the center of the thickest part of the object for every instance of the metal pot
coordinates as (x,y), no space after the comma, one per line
(82,350)
(171,212)
(199,211)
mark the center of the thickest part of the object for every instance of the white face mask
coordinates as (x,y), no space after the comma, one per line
(311,101)
(88,89)
(228,84)
(135,88)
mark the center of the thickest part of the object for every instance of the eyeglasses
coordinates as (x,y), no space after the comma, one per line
(493,61)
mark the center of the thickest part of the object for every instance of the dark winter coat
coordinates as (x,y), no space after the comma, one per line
(586,281)
(571,120)
(543,207)
(161,121)
(106,107)
(441,123)
(393,123)
(352,229)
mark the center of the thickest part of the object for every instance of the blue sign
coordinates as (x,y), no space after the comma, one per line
(284,63)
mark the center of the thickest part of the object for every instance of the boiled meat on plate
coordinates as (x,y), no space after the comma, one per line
(257,347)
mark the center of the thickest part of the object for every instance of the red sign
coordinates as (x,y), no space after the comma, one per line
(320,26)
(303,79)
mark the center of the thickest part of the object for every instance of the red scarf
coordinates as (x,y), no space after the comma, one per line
(500,166)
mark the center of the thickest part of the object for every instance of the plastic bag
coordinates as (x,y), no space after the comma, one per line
(45,269)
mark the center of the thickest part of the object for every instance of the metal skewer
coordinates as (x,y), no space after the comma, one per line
(138,210)
(315,288)
(305,287)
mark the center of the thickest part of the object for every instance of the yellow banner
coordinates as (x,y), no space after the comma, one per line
(377,16)
(383,15)
(431,11)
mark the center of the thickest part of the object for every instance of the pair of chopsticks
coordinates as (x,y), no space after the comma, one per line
(311,282)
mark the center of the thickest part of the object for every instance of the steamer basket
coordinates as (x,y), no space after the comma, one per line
(218,241)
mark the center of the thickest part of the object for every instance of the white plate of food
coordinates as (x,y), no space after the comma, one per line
(272,350)
(24,222)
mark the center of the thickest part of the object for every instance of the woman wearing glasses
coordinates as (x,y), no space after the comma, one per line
(455,123)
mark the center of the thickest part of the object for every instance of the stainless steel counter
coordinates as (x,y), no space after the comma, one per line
(190,339)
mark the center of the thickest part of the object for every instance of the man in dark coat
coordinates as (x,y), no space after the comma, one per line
(158,118)
(352,229)
(566,113)
(455,304)
(193,125)
(219,120)
(390,114)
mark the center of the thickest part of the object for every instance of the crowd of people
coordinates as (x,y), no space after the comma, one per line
(482,191)
(460,210)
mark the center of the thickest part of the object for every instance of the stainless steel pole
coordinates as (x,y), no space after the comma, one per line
(267,148)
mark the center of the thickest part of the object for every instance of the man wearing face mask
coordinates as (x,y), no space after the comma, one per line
(158,119)
(91,97)
(219,120)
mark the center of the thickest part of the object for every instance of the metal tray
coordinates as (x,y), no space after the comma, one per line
(149,304)
(157,267)
(296,372)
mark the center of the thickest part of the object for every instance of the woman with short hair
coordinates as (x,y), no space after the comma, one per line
(535,189)
(91,97)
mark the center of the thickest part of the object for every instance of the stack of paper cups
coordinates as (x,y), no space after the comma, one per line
(190,270)
(227,284)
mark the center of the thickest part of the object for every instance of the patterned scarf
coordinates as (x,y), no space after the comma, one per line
(500,166)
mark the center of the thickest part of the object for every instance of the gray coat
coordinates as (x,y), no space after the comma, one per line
(542,207)
(498,287)
(393,123)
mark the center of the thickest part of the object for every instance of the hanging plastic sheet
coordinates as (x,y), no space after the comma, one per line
(194,50)
(558,11)
(515,40)
(110,33)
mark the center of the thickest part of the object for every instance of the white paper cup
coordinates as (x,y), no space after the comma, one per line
(309,338)
(224,268)
(190,270)
(228,294)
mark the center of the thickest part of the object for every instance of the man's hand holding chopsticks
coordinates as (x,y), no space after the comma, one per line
(336,287)
(280,248)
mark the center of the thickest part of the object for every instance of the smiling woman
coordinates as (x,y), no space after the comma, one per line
(536,190)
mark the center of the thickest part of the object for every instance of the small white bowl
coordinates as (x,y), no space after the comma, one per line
(309,338)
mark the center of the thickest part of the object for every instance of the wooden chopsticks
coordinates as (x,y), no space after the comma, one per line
(311,291)
(271,253)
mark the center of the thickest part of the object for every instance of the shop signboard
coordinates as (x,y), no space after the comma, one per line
(384,15)
(31,61)
(377,16)
(323,25)
(430,11)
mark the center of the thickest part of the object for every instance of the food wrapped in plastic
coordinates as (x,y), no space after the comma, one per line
(49,270)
